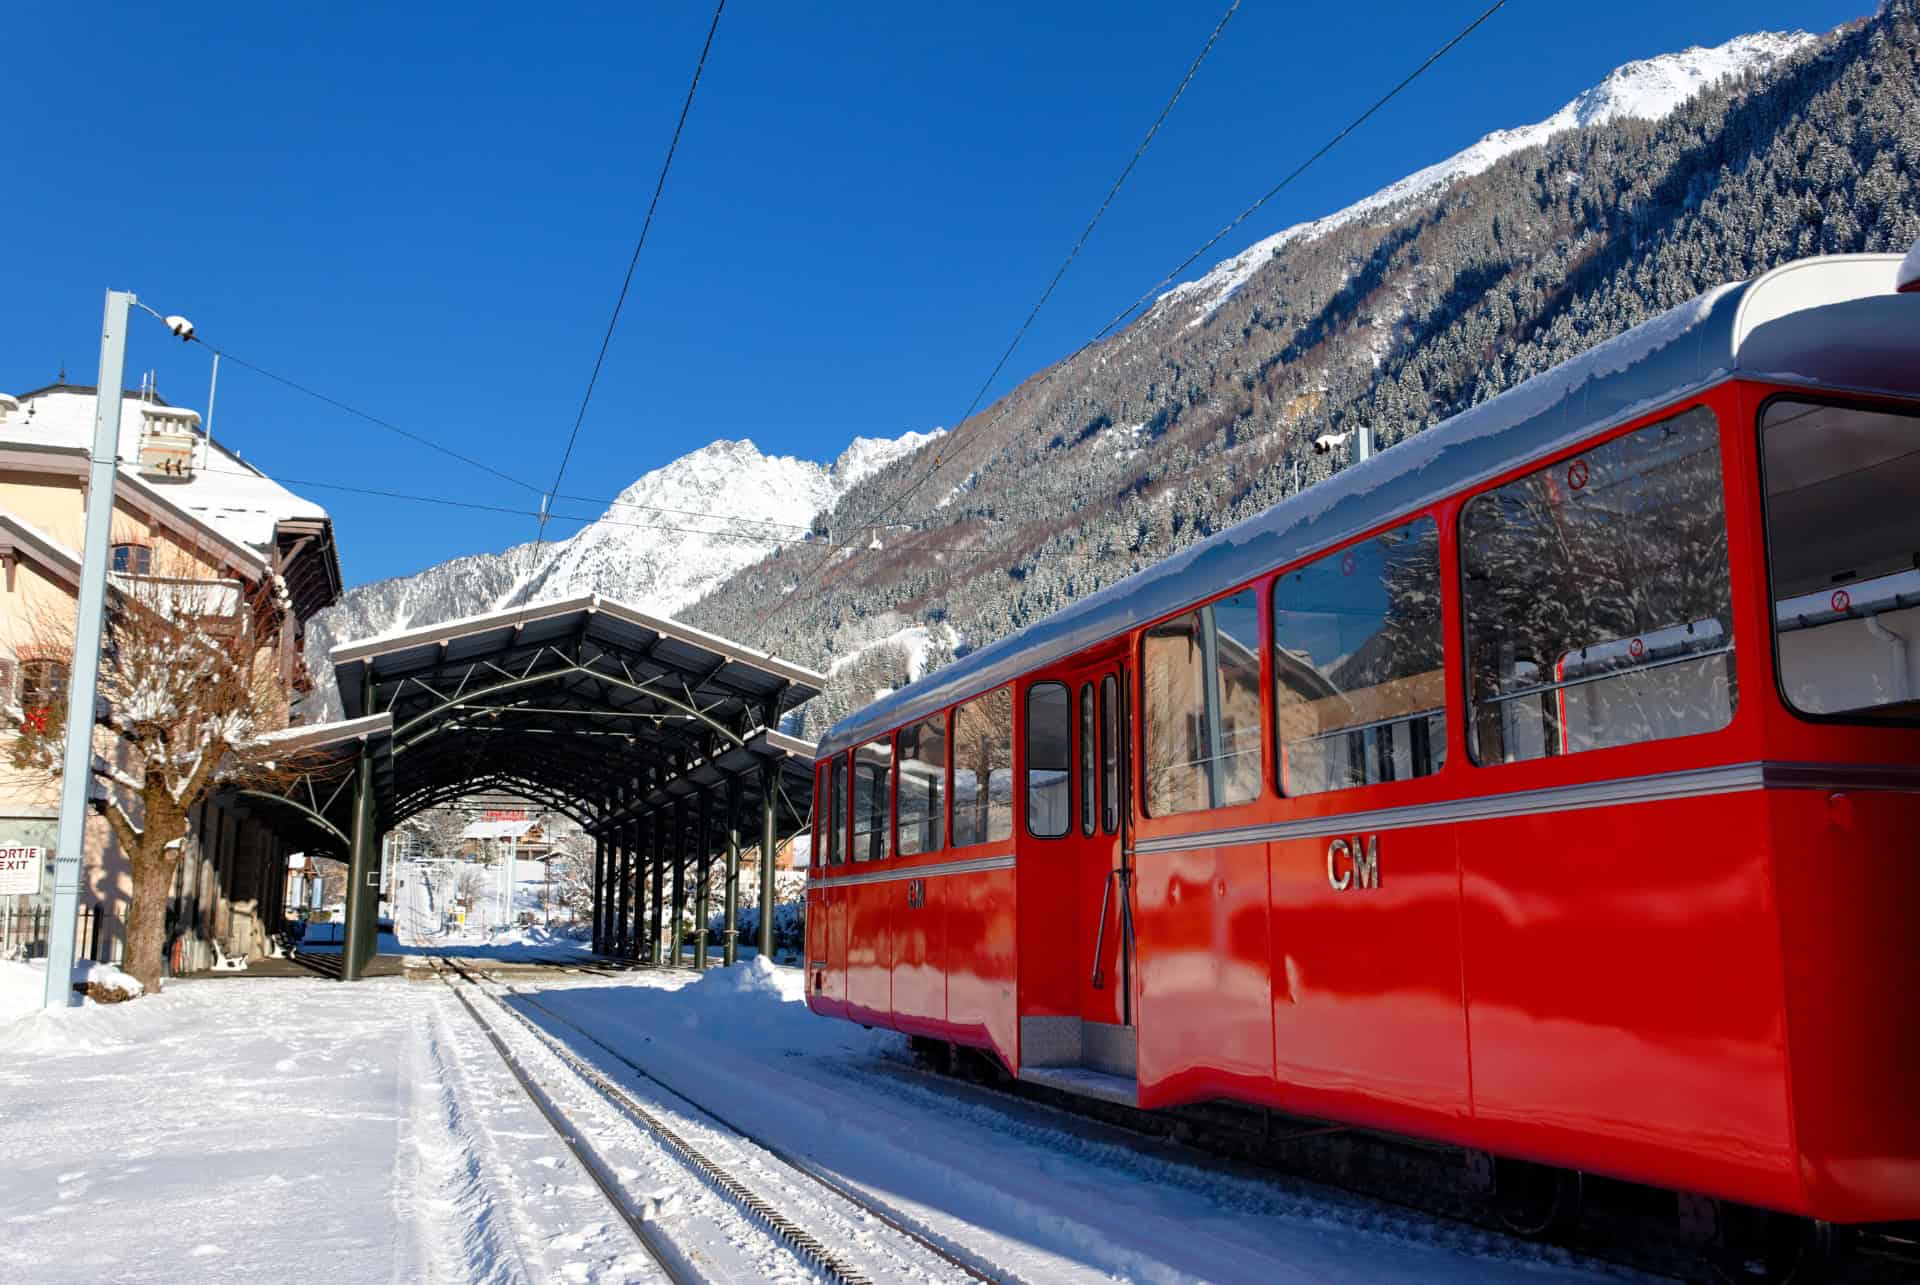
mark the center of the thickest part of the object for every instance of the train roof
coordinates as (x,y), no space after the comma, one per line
(1833,322)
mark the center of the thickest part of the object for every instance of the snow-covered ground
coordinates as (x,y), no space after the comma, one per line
(250,1128)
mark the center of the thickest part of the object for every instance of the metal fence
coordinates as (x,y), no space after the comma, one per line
(24,931)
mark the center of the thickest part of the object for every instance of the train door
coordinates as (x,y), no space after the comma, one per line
(827,899)
(1106,997)
(1075,916)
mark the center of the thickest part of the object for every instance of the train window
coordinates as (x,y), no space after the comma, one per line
(1049,734)
(923,786)
(872,801)
(1598,603)
(1110,754)
(1202,706)
(837,813)
(1359,684)
(1843,546)
(1087,752)
(983,769)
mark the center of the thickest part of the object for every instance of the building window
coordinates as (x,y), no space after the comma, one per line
(1049,760)
(1359,681)
(1201,684)
(983,769)
(133,559)
(1843,549)
(923,786)
(43,685)
(1598,605)
(873,801)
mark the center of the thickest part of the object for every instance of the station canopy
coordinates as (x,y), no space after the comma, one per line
(586,706)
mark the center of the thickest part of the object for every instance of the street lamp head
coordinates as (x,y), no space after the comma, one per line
(180,326)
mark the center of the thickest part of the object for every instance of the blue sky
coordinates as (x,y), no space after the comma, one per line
(425,210)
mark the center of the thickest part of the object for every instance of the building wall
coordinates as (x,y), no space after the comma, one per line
(228,885)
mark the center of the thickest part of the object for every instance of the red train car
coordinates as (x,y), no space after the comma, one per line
(1548,784)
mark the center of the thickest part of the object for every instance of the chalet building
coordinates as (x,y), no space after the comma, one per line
(184,507)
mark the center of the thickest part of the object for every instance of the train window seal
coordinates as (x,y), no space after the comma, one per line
(1086,758)
(1226,666)
(1812,397)
(1054,792)
(1553,729)
(988,819)
(1312,614)
(928,831)
(1112,745)
(871,775)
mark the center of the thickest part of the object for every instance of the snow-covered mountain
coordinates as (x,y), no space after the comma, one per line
(662,544)
(1649,89)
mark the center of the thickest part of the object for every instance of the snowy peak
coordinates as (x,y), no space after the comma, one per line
(1654,87)
(1648,89)
(866,456)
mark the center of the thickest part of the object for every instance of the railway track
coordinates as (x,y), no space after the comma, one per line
(1624,1225)
(761,1189)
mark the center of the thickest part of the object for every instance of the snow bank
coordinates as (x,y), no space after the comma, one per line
(21,987)
(27,1028)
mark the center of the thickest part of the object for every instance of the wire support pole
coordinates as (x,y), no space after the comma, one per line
(83,681)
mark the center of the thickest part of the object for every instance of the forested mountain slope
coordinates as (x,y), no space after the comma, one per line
(1416,307)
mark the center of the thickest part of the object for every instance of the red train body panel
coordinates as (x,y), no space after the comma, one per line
(1684,957)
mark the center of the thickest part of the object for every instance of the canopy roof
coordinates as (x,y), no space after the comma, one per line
(585,705)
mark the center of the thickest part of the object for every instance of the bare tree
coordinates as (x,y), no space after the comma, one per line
(570,872)
(440,829)
(189,700)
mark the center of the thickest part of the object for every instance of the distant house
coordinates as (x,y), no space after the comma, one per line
(186,507)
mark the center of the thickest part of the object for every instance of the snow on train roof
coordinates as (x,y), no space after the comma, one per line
(1833,321)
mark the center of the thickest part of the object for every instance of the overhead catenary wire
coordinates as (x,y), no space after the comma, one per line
(481,506)
(633,263)
(1020,333)
(940,457)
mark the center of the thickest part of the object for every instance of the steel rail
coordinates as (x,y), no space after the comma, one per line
(794,1237)
(846,1191)
(651,1240)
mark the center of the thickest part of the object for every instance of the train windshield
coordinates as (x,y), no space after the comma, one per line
(1843,547)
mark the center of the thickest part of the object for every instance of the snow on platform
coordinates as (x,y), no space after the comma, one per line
(307,1130)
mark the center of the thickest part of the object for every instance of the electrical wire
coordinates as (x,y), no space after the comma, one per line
(483,507)
(1021,333)
(941,457)
(627,282)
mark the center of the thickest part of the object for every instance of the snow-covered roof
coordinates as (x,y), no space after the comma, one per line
(225,494)
(1832,322)
(497,830)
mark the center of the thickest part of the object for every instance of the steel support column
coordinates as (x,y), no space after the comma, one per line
(363,877)
(730,943)
(659,828)
(642,848)
(599,893)
(679,933)
(703,882)
(769,787)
